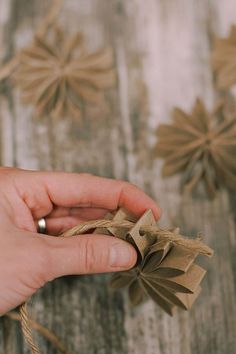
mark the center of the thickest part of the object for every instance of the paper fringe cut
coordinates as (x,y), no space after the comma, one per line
(201,145)
(57,74)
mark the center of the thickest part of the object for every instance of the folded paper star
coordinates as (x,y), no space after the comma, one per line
(57,74)
(201,145)
(162,276)
(165,271)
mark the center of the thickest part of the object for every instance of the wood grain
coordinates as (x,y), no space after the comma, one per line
(162,55)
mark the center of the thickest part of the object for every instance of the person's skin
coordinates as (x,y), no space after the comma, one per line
(28,260)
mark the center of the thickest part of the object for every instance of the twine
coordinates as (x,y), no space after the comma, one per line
(27,329)
(194,245)
(45,332)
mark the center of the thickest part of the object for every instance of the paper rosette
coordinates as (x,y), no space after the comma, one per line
(165,272)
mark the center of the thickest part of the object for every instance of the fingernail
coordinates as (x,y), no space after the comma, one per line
(121,256)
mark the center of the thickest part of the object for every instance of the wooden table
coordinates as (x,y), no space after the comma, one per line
(162,52)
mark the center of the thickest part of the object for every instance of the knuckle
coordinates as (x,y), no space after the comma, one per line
(37,203)
(89,254)
(125,188)
(128,185)
(133,186)
(94,254)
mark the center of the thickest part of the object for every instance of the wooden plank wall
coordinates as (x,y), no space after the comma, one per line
(162,56)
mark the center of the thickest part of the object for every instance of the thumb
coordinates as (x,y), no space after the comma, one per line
(86,254)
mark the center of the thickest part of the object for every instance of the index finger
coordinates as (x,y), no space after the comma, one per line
(71,189)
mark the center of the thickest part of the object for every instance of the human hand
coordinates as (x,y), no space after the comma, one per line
(27,259)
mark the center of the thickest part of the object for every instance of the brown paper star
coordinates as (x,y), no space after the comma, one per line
(167,274)
(224,60)
(165,271)
(201,145)
(58,75)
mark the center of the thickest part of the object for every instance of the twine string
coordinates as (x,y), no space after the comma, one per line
(27,329)
(48,334)
(195,245)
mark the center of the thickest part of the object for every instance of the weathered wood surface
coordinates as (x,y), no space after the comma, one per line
(162,55)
